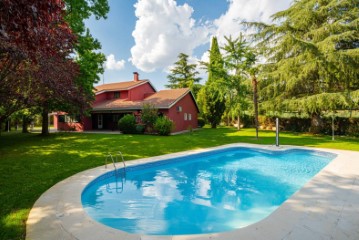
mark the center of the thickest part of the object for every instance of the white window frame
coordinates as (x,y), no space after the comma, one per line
(185,116)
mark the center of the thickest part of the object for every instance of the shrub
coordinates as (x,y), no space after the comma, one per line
(149,114)
(163,126)
(127,124)
(140,128)
(201,122)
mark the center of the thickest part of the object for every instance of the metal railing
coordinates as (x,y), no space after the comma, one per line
(114,160)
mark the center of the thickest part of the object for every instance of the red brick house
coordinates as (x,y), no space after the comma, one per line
(114,100)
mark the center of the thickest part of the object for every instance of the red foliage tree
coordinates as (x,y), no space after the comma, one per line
(35,65)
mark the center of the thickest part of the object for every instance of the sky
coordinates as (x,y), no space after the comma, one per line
(146,36)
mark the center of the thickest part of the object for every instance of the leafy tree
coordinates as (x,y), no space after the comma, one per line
(235,52)
(211,97)
(164,126)
(87,48)
(312,58)
(183,75)
(87,57)
(149,115)
(35,45)
(127,124)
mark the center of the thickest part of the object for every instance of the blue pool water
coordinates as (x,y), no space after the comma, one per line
(209,192)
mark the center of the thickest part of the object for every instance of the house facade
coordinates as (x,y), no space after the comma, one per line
(114,100)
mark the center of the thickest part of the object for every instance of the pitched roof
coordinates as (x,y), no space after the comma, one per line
(163,99)
(120,86)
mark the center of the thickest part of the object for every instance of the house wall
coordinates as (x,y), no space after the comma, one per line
(188,107)
(87,123)
(84,124)
(101,97)
(139,92)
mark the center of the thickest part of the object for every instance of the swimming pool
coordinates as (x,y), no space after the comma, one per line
(209,192)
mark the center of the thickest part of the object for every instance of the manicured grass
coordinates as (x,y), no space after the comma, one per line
(31,164)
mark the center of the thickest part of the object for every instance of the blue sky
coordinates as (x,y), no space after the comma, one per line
(146,36)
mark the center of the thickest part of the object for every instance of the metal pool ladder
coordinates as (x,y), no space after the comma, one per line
(115,160)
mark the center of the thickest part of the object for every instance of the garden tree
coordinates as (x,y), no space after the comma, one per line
(87,57)
(183,75)
(235,52)
(35,45)
(211,97)
(149,116)
(87,54)
(312,58)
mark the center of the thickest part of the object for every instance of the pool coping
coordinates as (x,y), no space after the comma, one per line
(327,207)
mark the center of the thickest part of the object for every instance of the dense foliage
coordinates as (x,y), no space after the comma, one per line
(149,116)
(211,97)
(312,55)
(164,126)
(35,64)
(127,124)
(48,59)
(183,75)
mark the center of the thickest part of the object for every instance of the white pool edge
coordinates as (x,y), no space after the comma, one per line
(327,207)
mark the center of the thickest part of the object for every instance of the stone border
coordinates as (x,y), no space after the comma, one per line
(327,207)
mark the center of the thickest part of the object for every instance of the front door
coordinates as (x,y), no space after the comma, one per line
(99,121)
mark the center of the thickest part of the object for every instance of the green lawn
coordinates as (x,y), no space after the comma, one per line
(30,164)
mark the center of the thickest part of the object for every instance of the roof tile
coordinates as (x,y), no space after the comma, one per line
(118,86)
(161,99)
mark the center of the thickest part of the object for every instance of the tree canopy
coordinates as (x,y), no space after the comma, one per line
(38,42)
(183,75)
(211,97)
(35,46)
(312,55)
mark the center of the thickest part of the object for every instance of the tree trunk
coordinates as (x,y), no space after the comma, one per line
(316,123)
(213,125)
(45,121)
(7,126)
(239,123)
(25,124)
(255,102)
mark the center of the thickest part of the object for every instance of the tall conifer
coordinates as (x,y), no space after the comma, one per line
(211,96)
(312,55)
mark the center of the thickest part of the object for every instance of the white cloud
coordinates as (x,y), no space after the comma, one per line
(245,10)
(163,30)
(112,64)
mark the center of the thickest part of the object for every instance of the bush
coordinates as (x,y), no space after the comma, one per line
(201,122)
(140,128)
(164,126)
(149,114)
(127,124)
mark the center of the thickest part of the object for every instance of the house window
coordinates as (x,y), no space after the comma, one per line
(116,95)
(189,117)
(185,116)
(69,118)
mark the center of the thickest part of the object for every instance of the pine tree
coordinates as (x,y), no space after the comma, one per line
(211,97)
(235,52)
(183,75)
(312,55)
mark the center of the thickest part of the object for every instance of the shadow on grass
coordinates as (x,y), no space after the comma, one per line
(30,164)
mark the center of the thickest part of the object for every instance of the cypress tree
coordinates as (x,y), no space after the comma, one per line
(211,96)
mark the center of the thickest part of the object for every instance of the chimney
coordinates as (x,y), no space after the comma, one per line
(135,76)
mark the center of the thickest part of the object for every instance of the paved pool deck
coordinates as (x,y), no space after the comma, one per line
(327,207)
